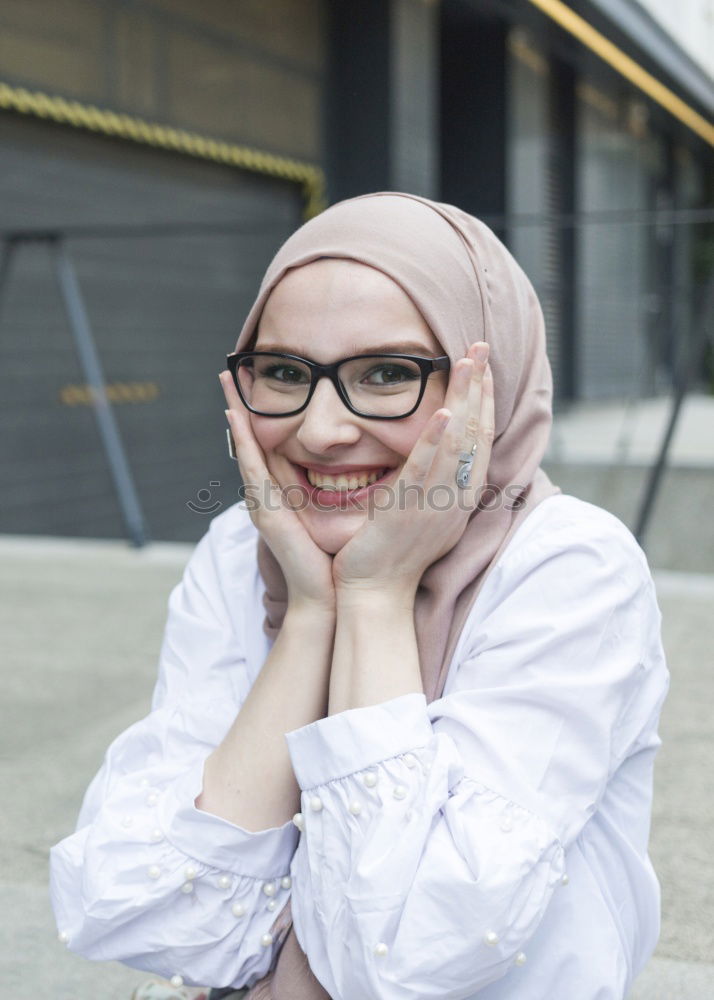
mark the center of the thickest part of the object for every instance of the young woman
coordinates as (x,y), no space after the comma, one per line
(402,740)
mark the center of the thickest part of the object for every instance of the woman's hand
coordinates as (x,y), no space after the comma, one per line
(390,552)
(307,569)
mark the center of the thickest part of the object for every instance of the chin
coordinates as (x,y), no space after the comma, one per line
(332,533)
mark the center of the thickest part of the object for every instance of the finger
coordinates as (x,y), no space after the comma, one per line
(463,431)
(478,352)
(467,405)
(474,437)
(455,440)
(463,399)
(457,400)
(260,490)
(420,460)
(237,418)
(250,461)
(486,433)
(233,400)
(237,415)
(253,468)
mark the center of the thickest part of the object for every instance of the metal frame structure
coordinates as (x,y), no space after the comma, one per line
(91,366)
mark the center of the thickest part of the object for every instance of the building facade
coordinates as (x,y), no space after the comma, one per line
(155,153)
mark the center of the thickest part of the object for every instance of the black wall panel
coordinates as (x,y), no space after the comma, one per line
(164,308)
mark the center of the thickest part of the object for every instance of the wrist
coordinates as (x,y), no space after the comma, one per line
(314,613)
(375,654)
(377,598)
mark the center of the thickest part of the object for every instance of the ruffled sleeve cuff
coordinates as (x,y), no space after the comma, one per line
(216,841)
(358,738)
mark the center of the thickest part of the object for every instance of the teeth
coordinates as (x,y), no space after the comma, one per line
(353,481)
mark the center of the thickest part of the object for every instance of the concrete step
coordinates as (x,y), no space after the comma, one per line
(680,534)
(603,453)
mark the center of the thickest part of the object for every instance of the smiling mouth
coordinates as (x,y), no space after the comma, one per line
(345,481)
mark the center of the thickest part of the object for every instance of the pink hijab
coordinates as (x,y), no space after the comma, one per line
(468,287)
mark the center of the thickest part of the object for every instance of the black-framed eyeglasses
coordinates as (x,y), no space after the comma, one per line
(378,386)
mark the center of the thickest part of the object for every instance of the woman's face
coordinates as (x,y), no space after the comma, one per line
(325,311)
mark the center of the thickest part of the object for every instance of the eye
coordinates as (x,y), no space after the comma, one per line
(285,373)
(389,374)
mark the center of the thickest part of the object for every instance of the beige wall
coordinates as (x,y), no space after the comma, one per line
(251,72)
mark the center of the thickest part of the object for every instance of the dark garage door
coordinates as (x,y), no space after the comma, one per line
(164,311)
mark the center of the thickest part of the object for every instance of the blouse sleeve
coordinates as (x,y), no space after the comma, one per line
(434,835)
(147,878)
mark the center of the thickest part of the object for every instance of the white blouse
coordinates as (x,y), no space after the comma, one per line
(492,843)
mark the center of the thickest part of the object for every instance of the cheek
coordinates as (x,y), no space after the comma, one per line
(404,434)
(401,436)
(268,433)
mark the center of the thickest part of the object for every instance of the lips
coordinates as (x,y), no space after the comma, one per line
(339,490)
(344,481)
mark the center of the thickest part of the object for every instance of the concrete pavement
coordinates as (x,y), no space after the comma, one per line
(81,626)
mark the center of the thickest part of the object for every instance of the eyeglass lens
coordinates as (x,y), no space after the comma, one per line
(376,386)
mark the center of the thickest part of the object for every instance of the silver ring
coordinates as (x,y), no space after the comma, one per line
(463,469)
(231,445)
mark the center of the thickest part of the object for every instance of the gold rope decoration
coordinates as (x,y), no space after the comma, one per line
(85,116)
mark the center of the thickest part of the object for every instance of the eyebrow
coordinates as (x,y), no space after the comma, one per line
(401,347)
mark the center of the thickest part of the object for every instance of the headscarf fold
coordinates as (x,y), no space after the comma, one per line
(468,287)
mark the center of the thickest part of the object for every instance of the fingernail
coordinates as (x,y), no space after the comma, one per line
(481,352)
(228,415)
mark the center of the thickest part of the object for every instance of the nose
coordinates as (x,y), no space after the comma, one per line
(326,422)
